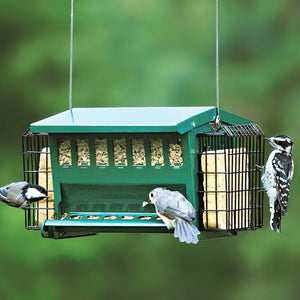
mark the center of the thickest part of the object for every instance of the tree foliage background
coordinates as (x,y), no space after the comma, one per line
(148,53)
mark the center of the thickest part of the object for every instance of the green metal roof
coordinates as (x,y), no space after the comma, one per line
(132,119)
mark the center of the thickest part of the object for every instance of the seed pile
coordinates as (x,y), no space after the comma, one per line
(138,152)
(83,153)
(92,217)
(110,217)
(156,148)
(175,154)
(64,150)
(120,152)
(101,152)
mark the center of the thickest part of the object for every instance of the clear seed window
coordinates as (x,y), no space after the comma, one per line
(138,152)
(157,156)
(101,152)
(120,156)
(83,152)
(175,154)
(64,151)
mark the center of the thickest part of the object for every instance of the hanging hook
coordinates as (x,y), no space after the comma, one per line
(216,124)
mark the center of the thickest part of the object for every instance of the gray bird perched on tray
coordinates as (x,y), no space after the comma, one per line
(176,212)
(22,194)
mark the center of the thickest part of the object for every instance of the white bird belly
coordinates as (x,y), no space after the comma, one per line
(269,179)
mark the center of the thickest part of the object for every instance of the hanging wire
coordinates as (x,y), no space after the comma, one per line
(217,58)
(71,59)
(216,124)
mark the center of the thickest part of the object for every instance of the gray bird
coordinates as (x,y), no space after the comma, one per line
(21,194)
(176,212)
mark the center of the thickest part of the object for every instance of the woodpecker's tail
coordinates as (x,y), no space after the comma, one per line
(185,231)
(276,215)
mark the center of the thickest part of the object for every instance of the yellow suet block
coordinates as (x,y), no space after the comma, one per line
(225,181)
(45,180)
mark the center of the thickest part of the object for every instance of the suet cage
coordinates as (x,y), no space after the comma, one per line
(99,165)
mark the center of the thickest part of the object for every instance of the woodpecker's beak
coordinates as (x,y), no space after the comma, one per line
(270,140)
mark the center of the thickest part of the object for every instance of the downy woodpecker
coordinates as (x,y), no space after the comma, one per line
(277,176)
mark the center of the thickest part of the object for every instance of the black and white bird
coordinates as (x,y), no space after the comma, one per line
(277,175)
(22,194)
(176,212)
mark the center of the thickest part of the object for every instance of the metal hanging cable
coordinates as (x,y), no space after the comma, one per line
(71,57)
(217,57)
(216,124)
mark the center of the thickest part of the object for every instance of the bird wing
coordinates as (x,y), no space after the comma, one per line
(175,205)
(184,206)
(172,213)
(283,177)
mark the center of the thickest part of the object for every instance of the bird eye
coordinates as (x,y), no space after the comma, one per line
(151,195)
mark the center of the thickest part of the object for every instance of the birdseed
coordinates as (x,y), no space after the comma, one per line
(156,148)
(175,154)
(101,152)
(64,152)
(120,157)
(83,153)
(138,152)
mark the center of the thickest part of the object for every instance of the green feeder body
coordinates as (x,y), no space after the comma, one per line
(105,161)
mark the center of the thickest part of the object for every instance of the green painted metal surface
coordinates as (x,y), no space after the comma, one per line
(120,190)
(132,119)
(92,223)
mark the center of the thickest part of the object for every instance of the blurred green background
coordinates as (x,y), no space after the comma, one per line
(149,53)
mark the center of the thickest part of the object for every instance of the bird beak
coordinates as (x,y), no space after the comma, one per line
(270,140)
(145,203)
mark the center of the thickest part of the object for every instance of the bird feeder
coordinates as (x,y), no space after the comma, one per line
(99,165)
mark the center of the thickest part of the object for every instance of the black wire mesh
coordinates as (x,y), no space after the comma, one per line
(230,188)
(35,172)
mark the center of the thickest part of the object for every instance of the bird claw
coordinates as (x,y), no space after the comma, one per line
(260,168)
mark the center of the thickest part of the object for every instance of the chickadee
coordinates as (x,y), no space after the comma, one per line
(176,212)
(22,194)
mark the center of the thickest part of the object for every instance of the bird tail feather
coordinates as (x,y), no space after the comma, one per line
(186,231)
(276,216)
